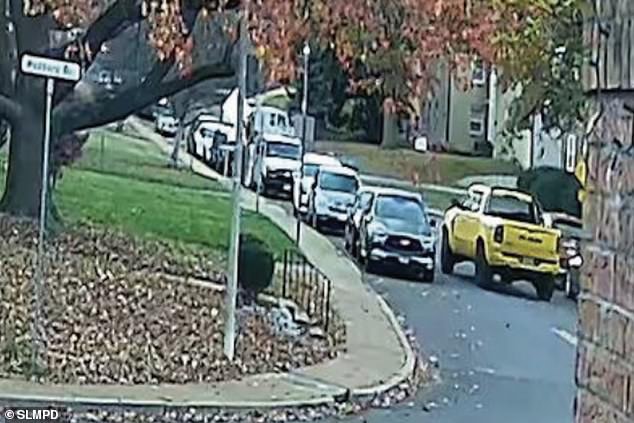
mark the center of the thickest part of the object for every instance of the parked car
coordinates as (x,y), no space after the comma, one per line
(303,180)
(203,137)
(166,124)
(332,194)
(104,77)
(270,120)
(163,106)
(571,259)
(504,232)
(361,204)
(395,233)
(273,169)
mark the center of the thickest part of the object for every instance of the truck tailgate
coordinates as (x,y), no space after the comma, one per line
(526,240)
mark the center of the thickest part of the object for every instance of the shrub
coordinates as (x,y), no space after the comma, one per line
(555,189)
(256,264)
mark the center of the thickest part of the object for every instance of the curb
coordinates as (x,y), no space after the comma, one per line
(334,395)
(77,403)
(408,368)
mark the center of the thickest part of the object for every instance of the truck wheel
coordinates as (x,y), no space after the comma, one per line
(545,287)
(483,273)
(447,258)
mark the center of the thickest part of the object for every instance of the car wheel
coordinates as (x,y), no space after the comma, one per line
(314,222)
(545,287)
(346,240)
(355,247)
(447,258)
(483,273)
(427,276)
(369,266)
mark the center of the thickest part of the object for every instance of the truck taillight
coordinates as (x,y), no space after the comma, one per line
(498,235)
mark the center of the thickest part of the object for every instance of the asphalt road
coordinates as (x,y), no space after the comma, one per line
(502,356)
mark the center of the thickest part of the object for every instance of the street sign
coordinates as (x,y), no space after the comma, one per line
(51,68)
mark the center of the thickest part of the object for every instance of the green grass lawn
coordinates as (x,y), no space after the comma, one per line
(136,192)
(444,169)
(119,154)
(438,200)
(159,211)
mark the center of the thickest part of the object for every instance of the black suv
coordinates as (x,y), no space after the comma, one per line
(395,232)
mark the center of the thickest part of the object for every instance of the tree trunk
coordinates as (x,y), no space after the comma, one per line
(24,175)
(390,138)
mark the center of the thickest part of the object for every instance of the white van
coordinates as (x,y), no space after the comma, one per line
(280,157)
(304,178)
(332,195)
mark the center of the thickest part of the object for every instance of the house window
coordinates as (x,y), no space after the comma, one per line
(476,124)
(478,75)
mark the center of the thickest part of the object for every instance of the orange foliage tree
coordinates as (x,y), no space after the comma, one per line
(386,46)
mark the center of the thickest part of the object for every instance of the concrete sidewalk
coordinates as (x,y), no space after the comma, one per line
(377,358)
(372,362)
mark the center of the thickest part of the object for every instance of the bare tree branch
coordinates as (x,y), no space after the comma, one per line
(117,18)
(90,114)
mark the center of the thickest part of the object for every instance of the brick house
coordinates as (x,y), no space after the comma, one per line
(605,355)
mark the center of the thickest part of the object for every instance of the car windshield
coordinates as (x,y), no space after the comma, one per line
(401,208)
(513,208)
(330,181)
(283,150)
(310,170)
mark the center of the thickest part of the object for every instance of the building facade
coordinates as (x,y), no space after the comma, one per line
(456,117)
(472,121)
(605,354)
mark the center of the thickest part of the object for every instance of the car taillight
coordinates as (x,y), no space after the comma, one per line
(498,235)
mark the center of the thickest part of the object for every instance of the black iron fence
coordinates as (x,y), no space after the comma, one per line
(301,282)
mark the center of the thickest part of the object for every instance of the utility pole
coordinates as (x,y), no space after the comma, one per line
(306,53)
(259,121)
(234,242)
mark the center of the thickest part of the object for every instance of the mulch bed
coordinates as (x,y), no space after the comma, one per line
(110,316)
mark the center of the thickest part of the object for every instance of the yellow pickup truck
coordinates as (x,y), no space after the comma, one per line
(504,233)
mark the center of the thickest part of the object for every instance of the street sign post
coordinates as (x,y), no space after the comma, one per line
(306,53)
(234,241)
(51,69)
